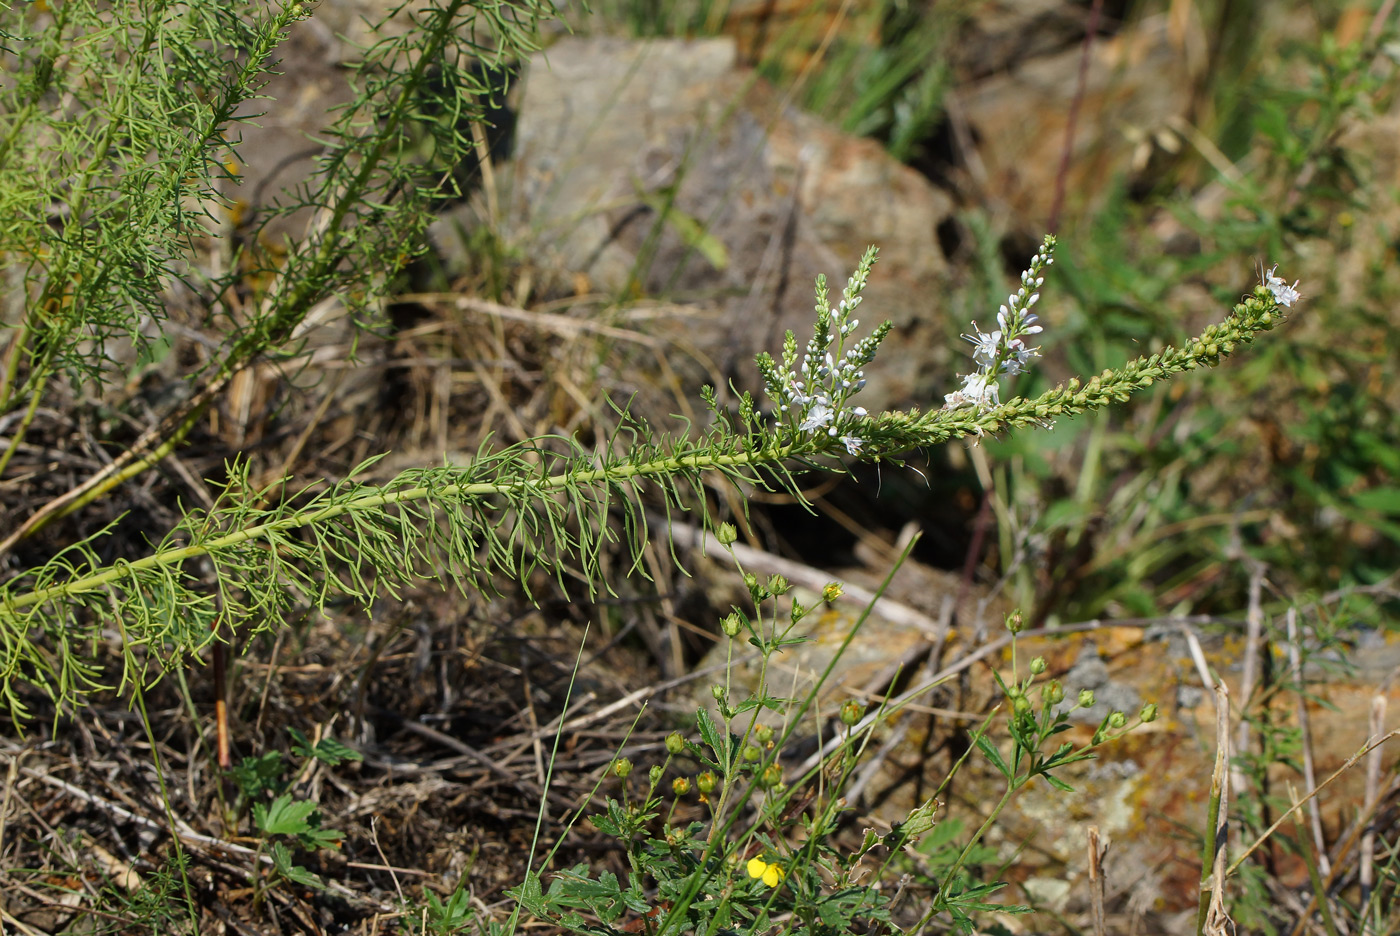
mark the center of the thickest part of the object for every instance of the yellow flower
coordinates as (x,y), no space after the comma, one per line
(770,873)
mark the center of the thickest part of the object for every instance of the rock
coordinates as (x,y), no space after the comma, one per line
(1138,85)
(660,168)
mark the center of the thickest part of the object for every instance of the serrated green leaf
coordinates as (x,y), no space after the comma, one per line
(717,740)
(283,816)
(990,751)
(297,874)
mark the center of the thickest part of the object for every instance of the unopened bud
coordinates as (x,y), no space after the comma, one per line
(772,776)
(621,767)
(1148,713)
(1054,693)
(726,534)
(764,734)
(675,743)
(1014,622)
(831,592)
(655,773)
(1021,706)
(851,711)
(706,782)
(731,624)
(1037,666)
(1086,698)
(1117,720)
(680,786)
(778,585)
(751,753)
(718,692)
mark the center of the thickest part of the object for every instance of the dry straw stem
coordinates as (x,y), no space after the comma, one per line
(1295,661)
(1212,919)
(1097,851)
(1366,872)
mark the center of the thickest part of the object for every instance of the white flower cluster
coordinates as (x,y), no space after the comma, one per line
(813,393)
(1284,294)
(1004,350)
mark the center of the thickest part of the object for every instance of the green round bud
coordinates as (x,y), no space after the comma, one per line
(718,692)
(726,534)
(764,734)
(675,743)
(680,786)
(731,624)
(1148,713)
(752,753)
(621,767)
(1014,622)
(851,711)
(1054,693)
(750,581)
(778,585)
(1117,720)
(706,782)
(831,592)
(1086,698)
(1021,706)
(772,776)
(655,773)
(1038,666)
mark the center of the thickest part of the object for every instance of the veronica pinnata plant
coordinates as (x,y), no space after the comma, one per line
(543,503)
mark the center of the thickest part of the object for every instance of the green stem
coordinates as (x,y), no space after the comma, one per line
(18,435)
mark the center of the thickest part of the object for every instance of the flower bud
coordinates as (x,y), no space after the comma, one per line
(778,585)
(1037,666)
(731,624)
(1148,713)
(831,592)
(1086,698)
(1021,706)
(655,773)
(851,711)
(764,734)
(675,743)
(1014,622)
(718,692)
(752,753)
(1117,720)
(680,786)
(1054,693)
(750,581)
(706,782)
(621,768)
(726,534)
(772,776)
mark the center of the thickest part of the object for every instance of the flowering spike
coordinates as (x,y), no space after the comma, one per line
(1002,351)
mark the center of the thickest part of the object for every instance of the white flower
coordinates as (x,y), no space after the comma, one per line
(1020,357)
(978,389)
(852,443)
(985,346)
(1284,294)
(819,415)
